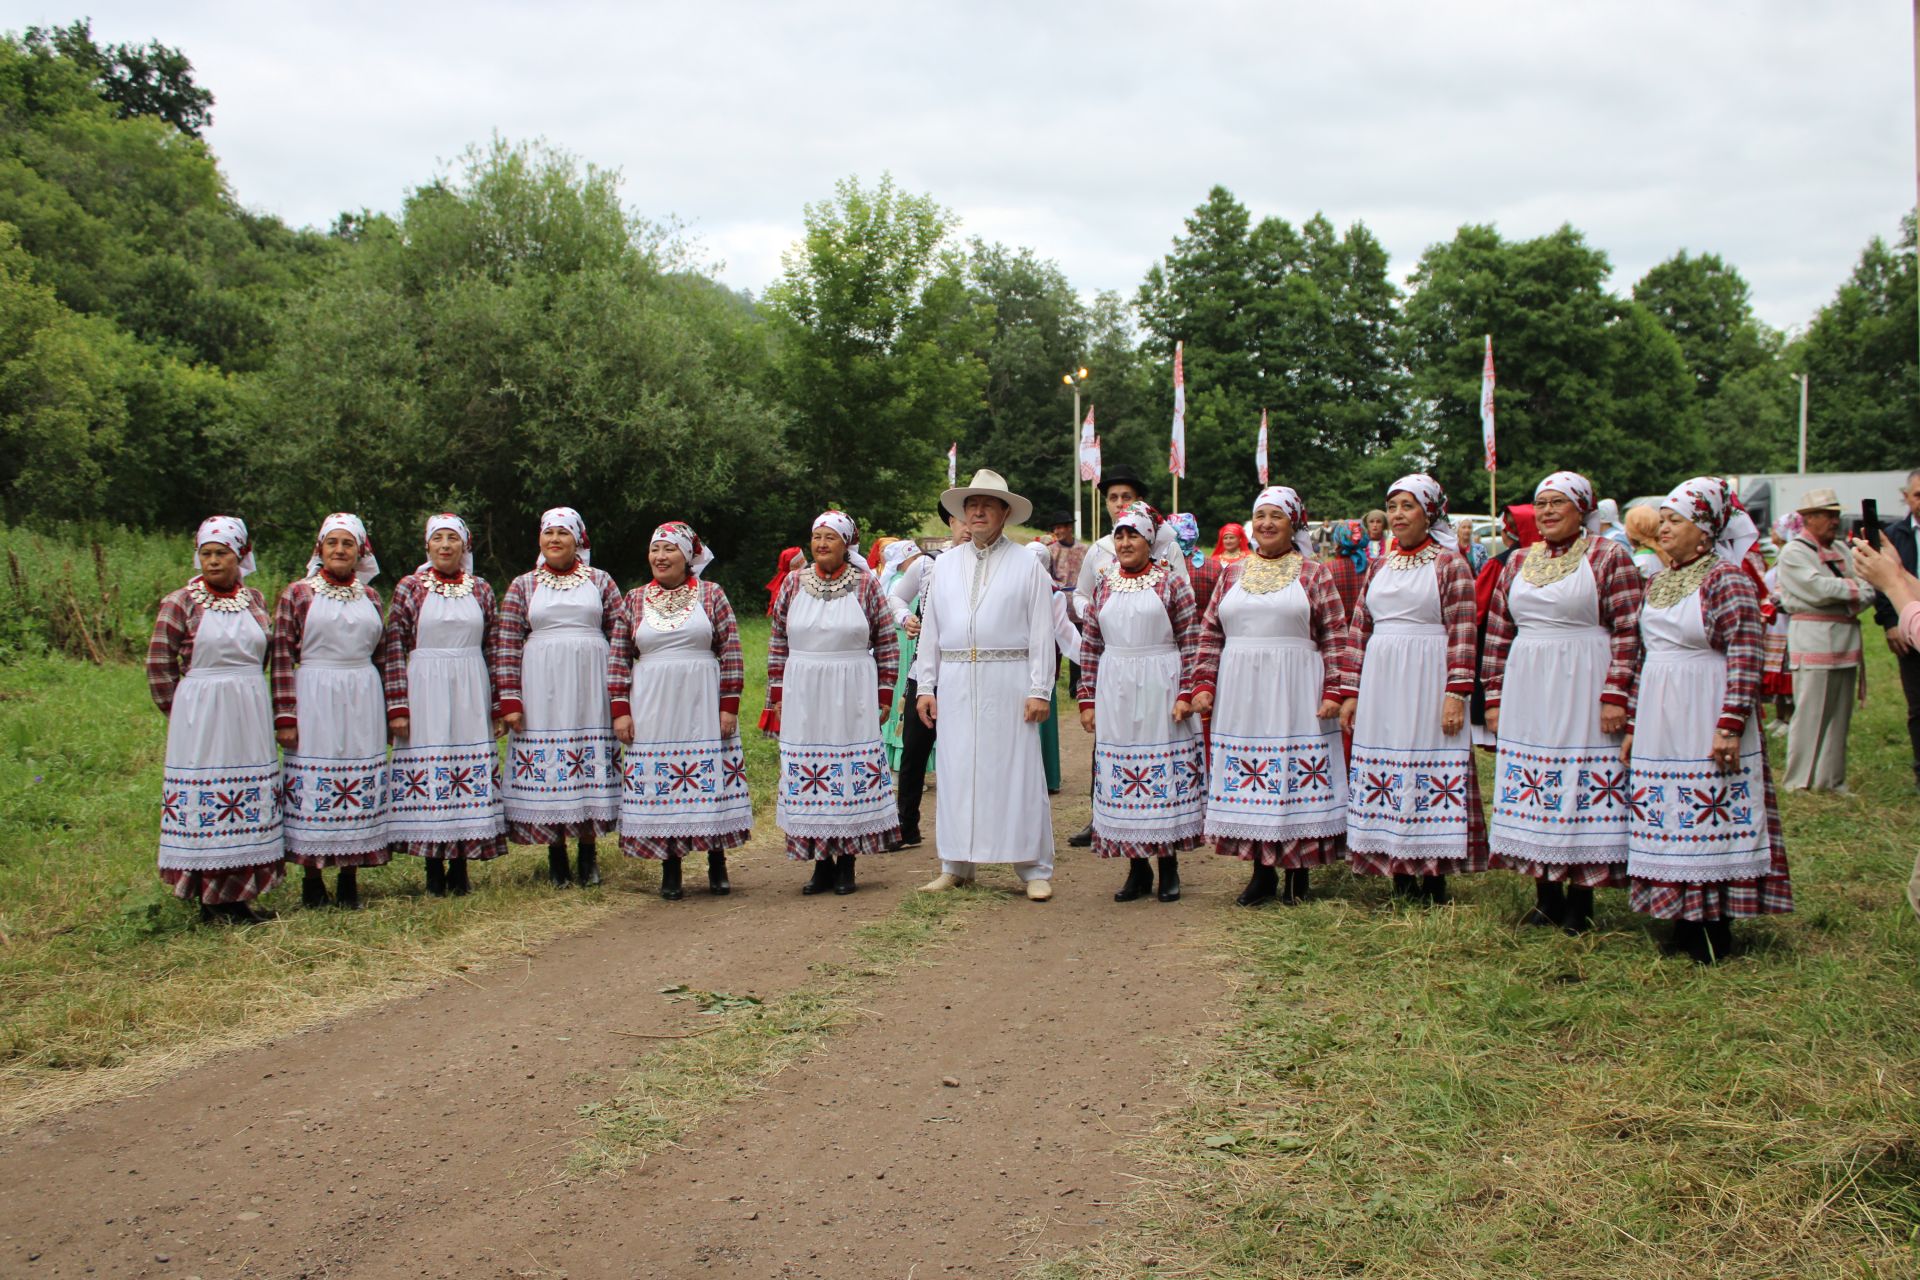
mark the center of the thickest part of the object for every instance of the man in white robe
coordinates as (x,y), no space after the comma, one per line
(985,669)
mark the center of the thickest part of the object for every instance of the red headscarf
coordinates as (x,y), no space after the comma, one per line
(1220,539)
(788,558)
(1518,524)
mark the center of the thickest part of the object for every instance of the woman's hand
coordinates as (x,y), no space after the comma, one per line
(1726,751)
(1086,719)
(911,626)
(397,728)
(1329,708)
(1493,721)
(515,721)
(729,723)
(1626,749)
(288,738)
(1453,714)
(1347,708)
(1877,567)
(1203,702)
(1037,711)
(1613,718)
(623,729)
(1181,709)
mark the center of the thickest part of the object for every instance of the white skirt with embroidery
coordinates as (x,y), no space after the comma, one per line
(1277,771)
(336,779)
(446,775)
(1149,780)
(564,767)
(1407,783)
(220,793)
(834,779)
(681,778)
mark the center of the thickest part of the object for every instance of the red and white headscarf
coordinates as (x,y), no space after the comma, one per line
(1426,491)
(1152,526)
(228,531)
(1710,504)
(1578,490)
(1289,504)
(574,523)
(448,520)
(842,523)
(681,535)
(346,522)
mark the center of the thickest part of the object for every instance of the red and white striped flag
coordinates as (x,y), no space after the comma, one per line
(1260,450)
(1177,451)
(1089,451)
(1486,407)
(953,464)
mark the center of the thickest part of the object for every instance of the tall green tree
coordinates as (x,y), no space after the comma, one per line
(139,80)
(1705,304)
(1859,351)
(876,340)
(1586,381)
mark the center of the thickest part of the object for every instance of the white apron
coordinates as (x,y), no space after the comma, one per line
(562,765)
(1407,784)
(220,791)
(446,773)
(834,779)
(1691,823)
(1559,783)
(1277,772)
(681,777)
(336,778)
(1149,781)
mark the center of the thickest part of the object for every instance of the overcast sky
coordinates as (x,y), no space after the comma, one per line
(1779,135)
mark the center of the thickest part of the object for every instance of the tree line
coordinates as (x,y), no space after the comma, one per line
(516,336)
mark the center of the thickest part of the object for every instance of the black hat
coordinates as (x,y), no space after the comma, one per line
(1122,475)
(1059,518)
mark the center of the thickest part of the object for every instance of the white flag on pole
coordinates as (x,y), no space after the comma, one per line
(1089,451)
(1486,407)
(1177,451)
(953,464)
(1260,450)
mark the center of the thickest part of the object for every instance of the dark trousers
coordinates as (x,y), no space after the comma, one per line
(1910,685)
(916,745)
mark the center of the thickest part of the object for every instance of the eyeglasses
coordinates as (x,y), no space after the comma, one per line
(1553,504)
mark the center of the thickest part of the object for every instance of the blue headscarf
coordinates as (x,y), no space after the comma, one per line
(1186,530)
(1350,541)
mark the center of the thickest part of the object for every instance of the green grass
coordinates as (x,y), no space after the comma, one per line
(1406,1093)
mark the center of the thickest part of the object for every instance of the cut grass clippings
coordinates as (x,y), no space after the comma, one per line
(1409,1093)
(694,1077)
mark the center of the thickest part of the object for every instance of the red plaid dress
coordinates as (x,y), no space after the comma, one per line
(1730,609)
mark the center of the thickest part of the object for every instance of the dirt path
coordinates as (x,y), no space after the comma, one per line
(424,1139)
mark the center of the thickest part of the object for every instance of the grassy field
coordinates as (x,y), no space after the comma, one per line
(108,981)
(1408,1093)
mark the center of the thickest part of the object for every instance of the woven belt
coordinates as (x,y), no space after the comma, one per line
(983,655)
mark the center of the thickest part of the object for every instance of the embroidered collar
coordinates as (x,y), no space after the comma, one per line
(1424,552)
(1264,575)
(1147,579)
(1676,584)
(230,601)
(563,581)
(458,586)
(822,588)
(1556,564)
(324,585)
(668,608)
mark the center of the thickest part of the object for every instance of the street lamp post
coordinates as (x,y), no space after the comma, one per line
(1802,379)
(1074,380)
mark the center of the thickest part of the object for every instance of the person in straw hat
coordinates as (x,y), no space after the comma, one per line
(984,671)
(1825,598)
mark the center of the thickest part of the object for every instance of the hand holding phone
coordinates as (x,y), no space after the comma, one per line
(1870,522)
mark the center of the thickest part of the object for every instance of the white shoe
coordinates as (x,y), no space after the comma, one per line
(1039,890)
(944,881)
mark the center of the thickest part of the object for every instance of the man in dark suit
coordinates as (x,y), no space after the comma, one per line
(1903,536)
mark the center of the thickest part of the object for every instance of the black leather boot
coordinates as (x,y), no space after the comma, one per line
(1261,888)
(1683,939)
(1579,916)
(670,879)
(1169,877)
(1083,837)
(843,882)
(240,913)
(1549,904)
(1405,886)
(822,881)
(1433,890)
(437,877)
(313,890)
(457,883)
(588,864)
(717,873)
(1139,880)
(346,889)
(1718,936)
(557,870)
(1294,891)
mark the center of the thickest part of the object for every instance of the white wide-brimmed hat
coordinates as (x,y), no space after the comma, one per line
(987,484)
(1818,500)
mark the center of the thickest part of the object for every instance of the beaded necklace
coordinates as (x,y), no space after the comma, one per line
(667,609)
(563,581)
(1542,570)
(209,599)
(1670,588)
(324,586)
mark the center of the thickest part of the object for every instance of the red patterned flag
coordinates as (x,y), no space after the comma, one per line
(1260,450)
(953,464)
(1177,452)
(1486,406)
(1089,451)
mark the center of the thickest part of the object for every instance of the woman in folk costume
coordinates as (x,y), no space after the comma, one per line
(831,662)
(675,684)
(894,559)
(1139,652)
(1349,562)
(1563,642)
(1276,661)
(1776,678)
(1230,544)
(1413,796)
(446,807)
(329,712)
(220,828)
(1704,844)
(783,569)
(551,645)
